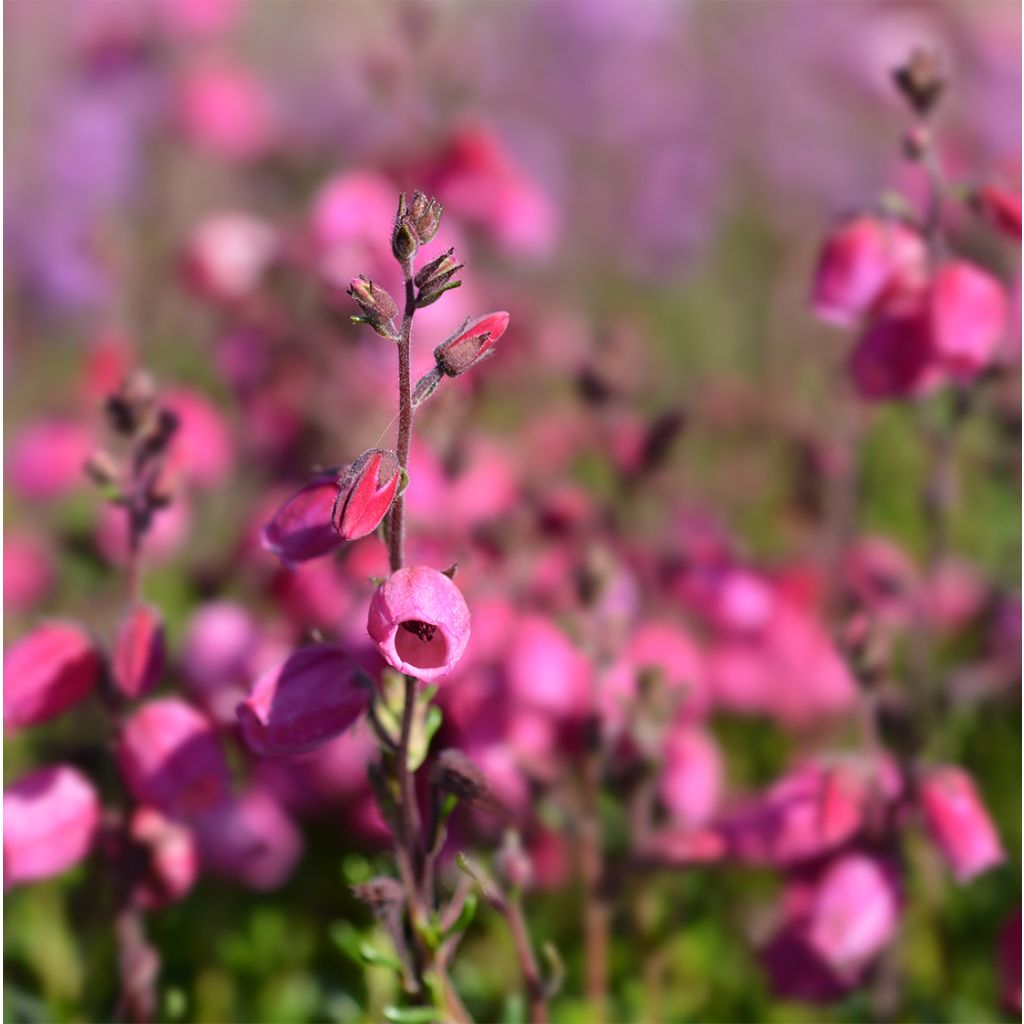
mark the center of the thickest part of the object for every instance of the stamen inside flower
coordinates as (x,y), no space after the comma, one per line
(421,644)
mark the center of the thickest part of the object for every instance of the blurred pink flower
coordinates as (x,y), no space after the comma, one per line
(47,457)
(859,261)
(169,757)
(969,314)
(693,777)
(171,858)
(1001,208)
(51,819)
(28,570)
(222,108)
(138,659)
(199,19)
(420,622)
(202,450)
(163,540)
(51,668)
(249,839)
(958,822)
(216,655)
(546,672)
(302,703)
(227,255)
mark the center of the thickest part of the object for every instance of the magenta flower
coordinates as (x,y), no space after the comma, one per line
(958,822)
(546,672)
(365,494)
(859,261)
(28,570)
(249,839)
(420,622)
(302,527)
(1001,208)
(47,671)
(51,818)
(472,342)
(46,458)
(169,757)
(299,705)
(693,778)
(227,256)
(138,660)
(969,313)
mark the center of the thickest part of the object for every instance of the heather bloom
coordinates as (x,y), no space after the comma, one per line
(299,705)
(420,622)
(969,313)
(693,778)
(958,822)
(227,256)
(365,494)
(46,457)
(169,757)
(302,527)
(1001,208)
(51,818)
(138,660)
(53,667)
(858,263)
(472,342)
(546,672)
(28,570)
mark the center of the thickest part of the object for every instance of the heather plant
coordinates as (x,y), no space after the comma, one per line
(645,654)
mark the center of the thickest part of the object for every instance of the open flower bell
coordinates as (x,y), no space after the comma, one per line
(419,621)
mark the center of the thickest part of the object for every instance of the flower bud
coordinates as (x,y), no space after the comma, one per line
(379,309)
(512,863)
(959,823)
(365,494)
(420,622)
(456,774)
(1001,208)
(51,819)
(302,528)
(169,756)
(436,278)
(474,341)
(921,81)
(300,704)
(426,386)
(47,671)
(403,239)
(172,860)
(138,660)
(425,216)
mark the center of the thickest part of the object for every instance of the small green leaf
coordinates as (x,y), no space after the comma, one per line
(411,1015)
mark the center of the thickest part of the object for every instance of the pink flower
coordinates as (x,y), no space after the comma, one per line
(854,913)
(969,313)
(47,458)
(857,264)
(227,256)
(51,818)
(302,528)
(959,824)
(365,494)
(167,532)
(546,672)
(471,343)
(222,108)
(172,860)
(169,757)
(28,570)
(47,671)
(420,623)
(216,653)
(202,449)
(250,839)
(351,208)
(693,777)
(299,705)
(138,660)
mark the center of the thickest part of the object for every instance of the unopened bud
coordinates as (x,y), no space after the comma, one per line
(425,387)
(403,240)
(474,341)
(379,309)
(921,81)
(425,216)
(456,774)
(436,278)
(379,893)
(102,469)
(132,404)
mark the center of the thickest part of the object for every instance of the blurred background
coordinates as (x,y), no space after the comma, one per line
(190,186)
